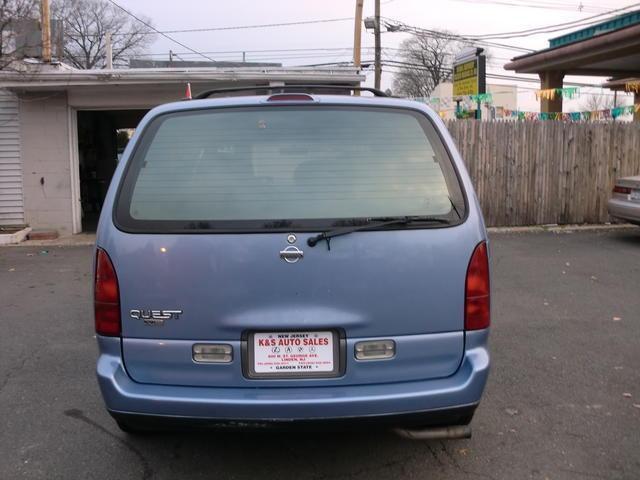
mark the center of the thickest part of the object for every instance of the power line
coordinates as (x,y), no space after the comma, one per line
(281,50)
(397,25)
(276,54)
(541,5)
(347,63)
(522,88)
(235,27)
(264,25)
(482,39)
(553,28)
(400,65)
(158,31)
(273,58)
(345,53)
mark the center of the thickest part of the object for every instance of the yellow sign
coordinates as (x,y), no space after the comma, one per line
(465,79)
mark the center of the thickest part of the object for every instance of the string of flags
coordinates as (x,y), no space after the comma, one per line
(552,93)
(548,94)
(479,98)
(574,116)
(633,86)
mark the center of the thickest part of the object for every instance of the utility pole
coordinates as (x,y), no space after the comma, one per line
(109,51)
(357,34)
(45,21)
(378,48)
(357,37)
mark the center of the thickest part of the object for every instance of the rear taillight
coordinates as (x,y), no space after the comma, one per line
(106,297)
(623,190)
(477,301)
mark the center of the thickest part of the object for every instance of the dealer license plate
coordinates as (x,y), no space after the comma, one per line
(294,353)
(635,195)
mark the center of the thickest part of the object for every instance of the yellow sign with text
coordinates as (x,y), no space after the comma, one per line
(465,79)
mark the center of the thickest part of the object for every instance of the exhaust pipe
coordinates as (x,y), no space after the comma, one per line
(442,433)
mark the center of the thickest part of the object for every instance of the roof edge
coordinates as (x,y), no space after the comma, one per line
(60,78)
(531,60)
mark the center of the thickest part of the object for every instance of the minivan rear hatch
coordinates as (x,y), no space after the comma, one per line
(212,197)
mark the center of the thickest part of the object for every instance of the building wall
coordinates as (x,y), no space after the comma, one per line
(11,197)
(504,97)
(109,97)
(44,130)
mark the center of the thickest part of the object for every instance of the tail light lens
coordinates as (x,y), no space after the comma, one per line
(106,297)
(477,313)
(290,97)
(623,190)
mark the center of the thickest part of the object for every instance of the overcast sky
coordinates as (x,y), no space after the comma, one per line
(466,17)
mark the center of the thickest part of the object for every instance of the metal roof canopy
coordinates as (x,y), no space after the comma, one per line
(620,84)
(615,23)
(614,54)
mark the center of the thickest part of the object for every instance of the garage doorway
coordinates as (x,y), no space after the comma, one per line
(102,137)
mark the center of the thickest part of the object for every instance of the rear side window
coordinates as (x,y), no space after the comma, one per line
(285,167)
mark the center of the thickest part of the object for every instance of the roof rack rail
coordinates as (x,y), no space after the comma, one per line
(281,88)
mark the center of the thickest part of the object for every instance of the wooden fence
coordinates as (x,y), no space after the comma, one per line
(536,173)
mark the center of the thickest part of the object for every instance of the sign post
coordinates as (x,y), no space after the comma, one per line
(469,75)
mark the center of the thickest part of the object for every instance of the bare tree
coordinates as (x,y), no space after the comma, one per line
(595,101)
(86,23)
(12,12)
(426,61)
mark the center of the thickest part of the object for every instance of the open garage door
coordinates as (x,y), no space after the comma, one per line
(102,137)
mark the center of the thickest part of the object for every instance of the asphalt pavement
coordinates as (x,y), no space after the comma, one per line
(563,399)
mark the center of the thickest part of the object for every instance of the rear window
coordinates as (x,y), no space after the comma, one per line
(286,167)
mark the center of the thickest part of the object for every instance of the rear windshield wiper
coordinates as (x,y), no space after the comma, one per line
(375,222)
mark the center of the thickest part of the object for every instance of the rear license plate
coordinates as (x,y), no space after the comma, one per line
(635,195)
(293,354)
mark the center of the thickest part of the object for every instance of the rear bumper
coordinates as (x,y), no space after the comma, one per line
(624,209)
(447,417)
(427,400)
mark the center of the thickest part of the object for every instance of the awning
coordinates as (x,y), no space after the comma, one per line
(614,54)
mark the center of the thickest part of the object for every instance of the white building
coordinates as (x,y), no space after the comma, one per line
(503,97)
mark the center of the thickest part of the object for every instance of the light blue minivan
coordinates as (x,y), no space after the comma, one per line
(297,258)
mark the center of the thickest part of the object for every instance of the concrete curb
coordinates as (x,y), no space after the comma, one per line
(81,239)
(14,238)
